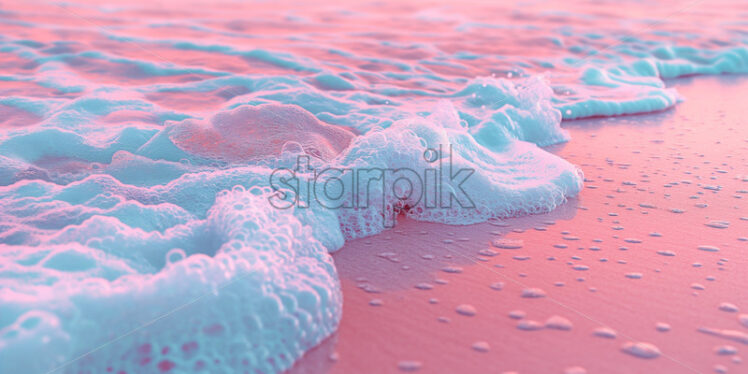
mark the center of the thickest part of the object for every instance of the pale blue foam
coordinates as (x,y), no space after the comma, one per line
(118,211)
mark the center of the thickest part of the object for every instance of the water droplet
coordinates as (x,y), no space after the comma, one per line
(424,286)
(533,293)
(498,286)
(508,244)
(452,269)
(407,365)
(728,307)
(529,325)
(743,319)
(708,248)
(605,332)
(481,347)
(558,323)
(466,310)
(733,335)
(641,350)
(662,327)
(725,350)
(718,224)
(487,252)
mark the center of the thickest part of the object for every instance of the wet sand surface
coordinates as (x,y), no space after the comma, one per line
(644,272)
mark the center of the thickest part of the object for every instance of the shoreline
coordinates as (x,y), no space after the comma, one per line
(623,254)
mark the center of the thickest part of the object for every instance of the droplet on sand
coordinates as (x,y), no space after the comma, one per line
(533,293)
(718,224)
(734,335)
(708,248)
(466,310)
(498,286)
(452,269)
(508,244)
(662,327)
(408,365)
(529,325)
(558,323)
(728,307)
(725,350)
(743,319)
(605,332)
(487,252)
(641,350)
(424,286)
(481,347)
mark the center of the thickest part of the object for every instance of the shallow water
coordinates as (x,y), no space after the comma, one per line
(138,146)
(683,302)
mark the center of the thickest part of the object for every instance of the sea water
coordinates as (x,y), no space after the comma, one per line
(141,227)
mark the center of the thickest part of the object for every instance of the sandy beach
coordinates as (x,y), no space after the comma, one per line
(208,186)
(625,255)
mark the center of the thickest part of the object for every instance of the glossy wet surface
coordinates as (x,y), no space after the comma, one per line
(138,142)
(616,281)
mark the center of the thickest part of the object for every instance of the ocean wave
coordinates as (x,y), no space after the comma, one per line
(142,229)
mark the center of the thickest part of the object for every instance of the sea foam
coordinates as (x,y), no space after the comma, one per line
(180,218)
(137,232)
